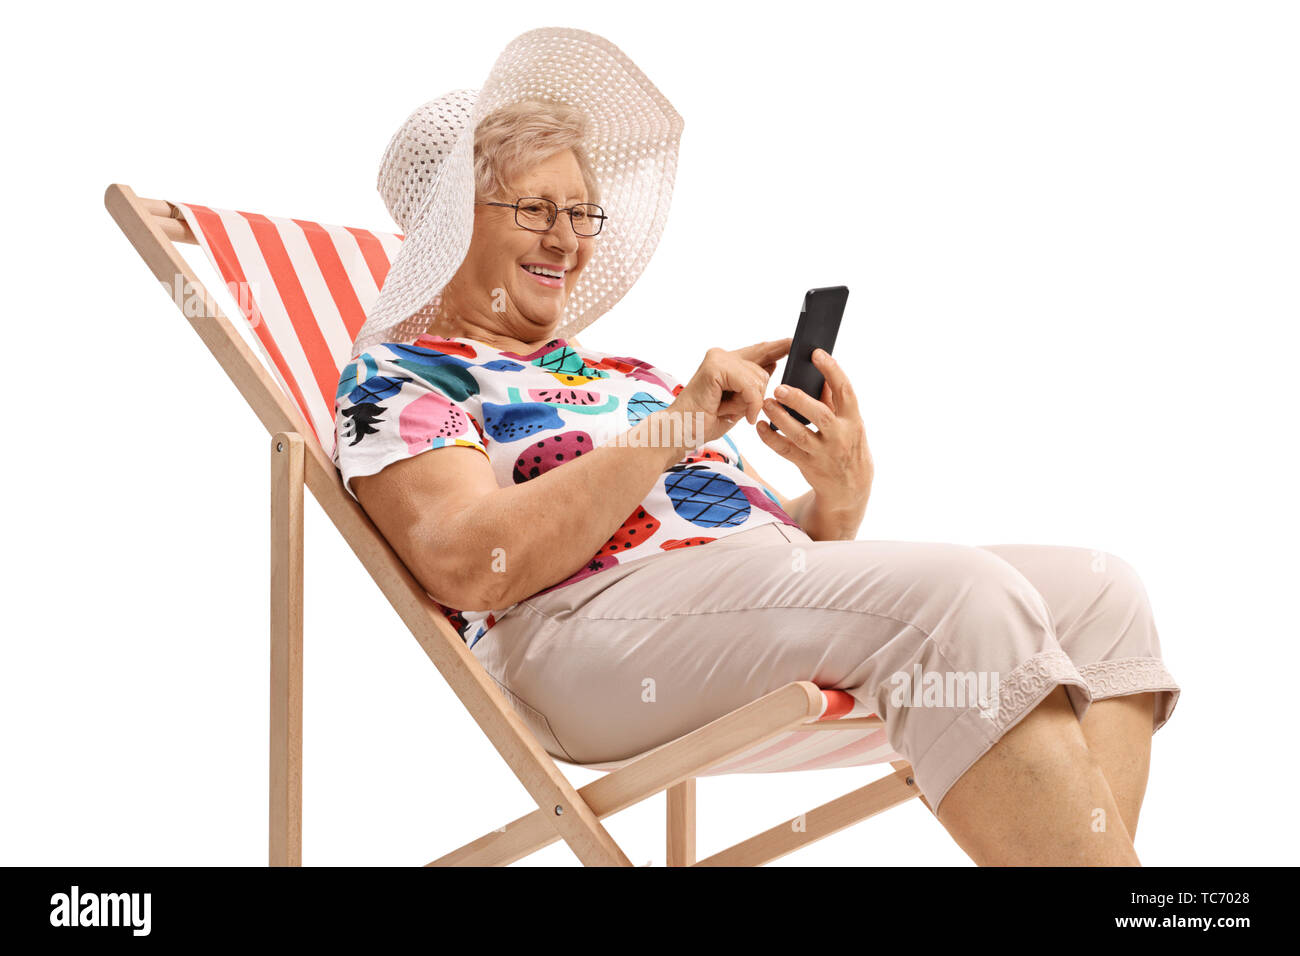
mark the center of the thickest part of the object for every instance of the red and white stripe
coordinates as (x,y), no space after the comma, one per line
(309,288)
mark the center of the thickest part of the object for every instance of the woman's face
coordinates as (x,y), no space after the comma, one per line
(492,292)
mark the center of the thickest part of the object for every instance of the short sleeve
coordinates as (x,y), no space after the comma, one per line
(668,379)
(391,406)
(645,371)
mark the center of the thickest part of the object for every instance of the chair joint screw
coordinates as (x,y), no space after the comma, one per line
(279,446)
(558,810)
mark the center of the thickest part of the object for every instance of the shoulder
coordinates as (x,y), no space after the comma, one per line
(398,399)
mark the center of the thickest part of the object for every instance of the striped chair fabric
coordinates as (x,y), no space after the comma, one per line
(305,288)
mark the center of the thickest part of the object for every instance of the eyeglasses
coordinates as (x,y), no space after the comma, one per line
(538,214)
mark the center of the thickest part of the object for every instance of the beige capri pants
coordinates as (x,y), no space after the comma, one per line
(719,625)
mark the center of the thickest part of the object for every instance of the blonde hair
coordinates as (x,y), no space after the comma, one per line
(514,138)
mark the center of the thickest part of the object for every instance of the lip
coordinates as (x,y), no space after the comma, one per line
(544,280)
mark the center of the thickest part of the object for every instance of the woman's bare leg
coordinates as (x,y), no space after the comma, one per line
(1118,731)
(1033,798)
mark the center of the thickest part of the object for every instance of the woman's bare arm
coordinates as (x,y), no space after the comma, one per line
(475,546)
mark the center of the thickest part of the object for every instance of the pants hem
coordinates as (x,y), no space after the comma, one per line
(976,730)
(1124,676)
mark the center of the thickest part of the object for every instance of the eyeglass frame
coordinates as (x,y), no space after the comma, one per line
(553,219)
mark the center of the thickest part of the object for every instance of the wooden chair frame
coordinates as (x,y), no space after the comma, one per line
(153,226)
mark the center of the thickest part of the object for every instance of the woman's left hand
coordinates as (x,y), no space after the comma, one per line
(834,459)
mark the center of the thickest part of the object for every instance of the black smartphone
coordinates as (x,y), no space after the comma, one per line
(819,323)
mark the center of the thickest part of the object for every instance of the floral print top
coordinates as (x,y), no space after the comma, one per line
(528,414)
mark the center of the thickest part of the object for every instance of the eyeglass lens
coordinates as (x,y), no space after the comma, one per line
(538,213)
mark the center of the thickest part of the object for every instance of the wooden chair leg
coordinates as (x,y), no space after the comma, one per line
(287,472)
(681,823)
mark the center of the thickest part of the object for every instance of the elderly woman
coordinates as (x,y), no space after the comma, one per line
(583,550)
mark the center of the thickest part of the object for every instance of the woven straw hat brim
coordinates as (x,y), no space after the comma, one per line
(632,141)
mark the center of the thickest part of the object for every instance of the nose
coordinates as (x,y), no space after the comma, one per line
(561,236)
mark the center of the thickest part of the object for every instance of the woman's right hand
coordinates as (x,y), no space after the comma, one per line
(729,385)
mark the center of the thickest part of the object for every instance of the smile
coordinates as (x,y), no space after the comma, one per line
(550,281)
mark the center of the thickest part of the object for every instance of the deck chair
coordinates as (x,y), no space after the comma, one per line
(304,288)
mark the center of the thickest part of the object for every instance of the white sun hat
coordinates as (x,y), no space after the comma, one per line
(426,177)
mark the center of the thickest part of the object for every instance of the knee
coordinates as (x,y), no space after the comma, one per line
(986,597)
(1120,581)
(1122,607)
(985,578)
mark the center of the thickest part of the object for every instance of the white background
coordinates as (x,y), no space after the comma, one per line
(1070,232)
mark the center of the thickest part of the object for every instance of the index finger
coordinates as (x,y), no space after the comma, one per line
(761,353)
